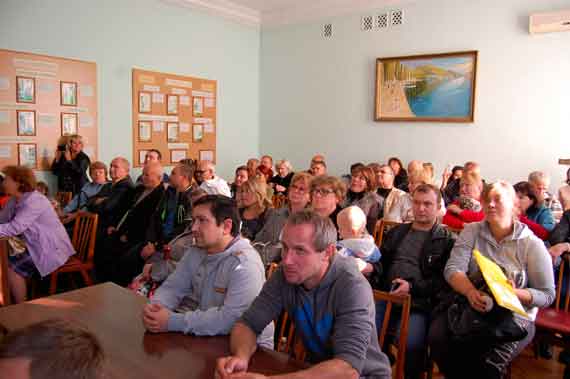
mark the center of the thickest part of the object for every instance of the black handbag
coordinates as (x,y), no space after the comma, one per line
(470,326)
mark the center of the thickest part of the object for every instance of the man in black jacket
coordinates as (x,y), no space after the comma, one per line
(413,259)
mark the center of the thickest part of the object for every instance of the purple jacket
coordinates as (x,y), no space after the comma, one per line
(36,221)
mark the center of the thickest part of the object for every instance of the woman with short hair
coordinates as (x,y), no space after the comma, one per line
(526,263)
(70,164)
(282,180)
(254,207)
(38,241)
(362,193)
(327,195)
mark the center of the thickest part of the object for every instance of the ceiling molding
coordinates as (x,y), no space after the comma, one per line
(224,8)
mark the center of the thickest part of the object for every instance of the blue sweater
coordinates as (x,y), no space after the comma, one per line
(541,215)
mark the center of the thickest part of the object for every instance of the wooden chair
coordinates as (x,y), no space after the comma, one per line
(63,198)
(279,201)
(382,226)
(405,302)
(288,342)
(271,269)
(4,288)
(83,240)
(553,324)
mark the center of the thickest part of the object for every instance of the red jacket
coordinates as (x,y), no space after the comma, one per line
(539,230)
(466,216)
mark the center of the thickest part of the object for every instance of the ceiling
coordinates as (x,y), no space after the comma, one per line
(268,13)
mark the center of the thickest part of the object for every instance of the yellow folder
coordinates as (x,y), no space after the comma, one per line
(501,289)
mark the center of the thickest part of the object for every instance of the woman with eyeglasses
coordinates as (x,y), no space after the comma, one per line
(268,240)
(327,195)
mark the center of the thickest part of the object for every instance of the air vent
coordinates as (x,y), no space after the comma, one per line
(327,30)
(396,17)
(382,21)
(366,23)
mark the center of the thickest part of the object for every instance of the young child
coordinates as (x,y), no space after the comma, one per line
(355,240)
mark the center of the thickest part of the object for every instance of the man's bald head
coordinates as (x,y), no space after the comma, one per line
(152,174)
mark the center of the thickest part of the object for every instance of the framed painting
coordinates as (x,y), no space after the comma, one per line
(436,87)
(26,123)
(145,131)
(68,124)
(145,102)
(177,155)
(172,131)
(27,155)
(197,132)
(68,93)
(25,90)
(171,104)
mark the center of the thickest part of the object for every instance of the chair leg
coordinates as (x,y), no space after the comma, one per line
(53,283)
(86,278)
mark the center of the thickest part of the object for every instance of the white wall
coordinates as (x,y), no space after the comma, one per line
(121,34)
(318,94)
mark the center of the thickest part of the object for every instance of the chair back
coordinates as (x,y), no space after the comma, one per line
(279,201)
(63,198)
(405,302)
(288,341)
(271,269)
(382,226)
(84,235)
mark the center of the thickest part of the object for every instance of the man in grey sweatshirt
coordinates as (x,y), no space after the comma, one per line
(215,282)
(329,300)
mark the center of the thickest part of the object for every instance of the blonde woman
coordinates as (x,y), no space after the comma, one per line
(70,164)
(254,207)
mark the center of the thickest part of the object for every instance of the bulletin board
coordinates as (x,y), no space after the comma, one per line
(174,114)
(41,99)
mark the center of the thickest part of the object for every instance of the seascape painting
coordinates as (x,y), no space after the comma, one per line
(438,87)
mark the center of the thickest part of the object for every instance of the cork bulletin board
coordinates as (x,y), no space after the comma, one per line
(174,114)
(41,99)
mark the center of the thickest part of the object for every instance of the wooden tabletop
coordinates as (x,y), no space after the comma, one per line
(113,314)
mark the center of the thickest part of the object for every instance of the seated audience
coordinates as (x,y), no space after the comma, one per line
(415,165)
(526,200)
(541,212)
(525,261)
(70,164)
(153,155)
(329,300)
(98,173)
(362,193)
(211,183)
(115,198)
(117,256)
(467,208)
(267,162)
(318,168)
(254,207)
(190,300)
(564,193)
(252,165)
(317,158)
(268,240)
(400,174)
(264,175)
(327,195)
(448,176)
(415,180)
(413,259)
(37,240)
(52,349)
(242,175)
(282,180)
(347,177)
(451,190)
(354,239)
(394,199)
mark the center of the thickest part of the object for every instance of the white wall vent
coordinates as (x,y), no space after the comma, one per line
(381,21)
(366,23)
(396,17)
(549,22)
(327,30)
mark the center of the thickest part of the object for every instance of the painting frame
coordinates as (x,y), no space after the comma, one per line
(207,155)
(197,106)
(426,88)
(142,156)
(22,129)
(145,131)
(176,155)
(172,103)
(24,85)
(197,133)
(23,155)
(172,132)
(64,95)
(145,102)
(68,129)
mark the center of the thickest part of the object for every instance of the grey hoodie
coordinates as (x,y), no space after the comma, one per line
(336,319)
(215,289)
(521,255)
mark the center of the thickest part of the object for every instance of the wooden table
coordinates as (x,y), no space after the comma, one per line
(113,314)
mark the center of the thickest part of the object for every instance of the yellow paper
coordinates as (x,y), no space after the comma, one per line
(501,289)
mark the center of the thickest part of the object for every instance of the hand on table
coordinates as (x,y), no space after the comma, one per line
(155,318)
(227,367)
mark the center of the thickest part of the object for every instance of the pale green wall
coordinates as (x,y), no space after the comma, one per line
(121,34)
(318,95)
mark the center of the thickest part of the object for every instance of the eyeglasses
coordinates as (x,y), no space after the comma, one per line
(297,188)
(321,191)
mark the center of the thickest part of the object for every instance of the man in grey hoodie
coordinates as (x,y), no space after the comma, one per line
(215,282)
(329,300)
